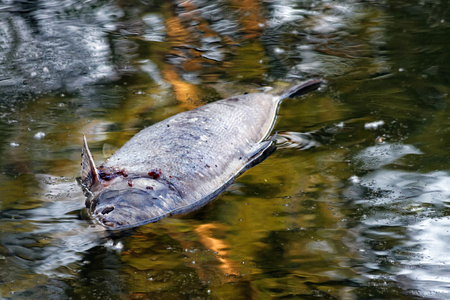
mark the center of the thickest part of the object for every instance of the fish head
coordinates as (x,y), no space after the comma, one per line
(118,200)
(125,203)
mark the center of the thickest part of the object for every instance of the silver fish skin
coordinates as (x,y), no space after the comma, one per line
(181,163)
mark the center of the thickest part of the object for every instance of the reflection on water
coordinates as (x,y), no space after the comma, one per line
(36,234)
(353,204)
(403,226)
(47,47)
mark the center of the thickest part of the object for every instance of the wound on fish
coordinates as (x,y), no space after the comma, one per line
(155,174)
(122,172)
(108,175)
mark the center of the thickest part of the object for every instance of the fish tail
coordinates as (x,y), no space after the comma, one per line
(302,89)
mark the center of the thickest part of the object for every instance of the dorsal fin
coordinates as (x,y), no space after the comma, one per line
(89,174)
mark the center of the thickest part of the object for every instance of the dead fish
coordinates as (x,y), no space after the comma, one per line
(181,163)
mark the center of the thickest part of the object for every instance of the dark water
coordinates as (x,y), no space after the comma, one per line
(353,205)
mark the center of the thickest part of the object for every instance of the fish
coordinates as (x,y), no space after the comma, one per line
(183,162)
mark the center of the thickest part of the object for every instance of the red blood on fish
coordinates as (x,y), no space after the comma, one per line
(122,172)
(155,174)
(109,174)
(105,175)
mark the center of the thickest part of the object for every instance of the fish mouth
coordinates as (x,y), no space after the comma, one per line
(126,208)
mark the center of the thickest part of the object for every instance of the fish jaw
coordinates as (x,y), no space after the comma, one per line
(133,202)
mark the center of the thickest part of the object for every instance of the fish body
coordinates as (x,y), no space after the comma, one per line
(183,162)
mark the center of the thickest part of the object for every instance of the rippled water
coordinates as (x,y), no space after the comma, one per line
(353,205)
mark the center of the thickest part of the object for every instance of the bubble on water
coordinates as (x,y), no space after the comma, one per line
(380,140)
(118,247)
(354,179)
(279,50)
(374,125)
(39,135)
(12,144)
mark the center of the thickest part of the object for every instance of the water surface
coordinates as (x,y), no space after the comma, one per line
(353,205)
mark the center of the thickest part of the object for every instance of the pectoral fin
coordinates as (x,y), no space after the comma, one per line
(264,150)
(89,174)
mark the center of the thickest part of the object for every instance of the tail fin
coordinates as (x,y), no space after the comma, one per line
(302,89)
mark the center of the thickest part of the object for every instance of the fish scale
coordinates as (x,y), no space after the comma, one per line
(179,151)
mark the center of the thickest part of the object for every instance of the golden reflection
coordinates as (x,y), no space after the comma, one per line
(183,38)
(138,296)
(190,54)
(185,92)
(250,16)
(205,231)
